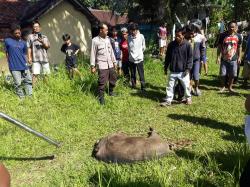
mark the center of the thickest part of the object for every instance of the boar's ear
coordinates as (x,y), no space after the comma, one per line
(96,143)
(151,131)
(172,146)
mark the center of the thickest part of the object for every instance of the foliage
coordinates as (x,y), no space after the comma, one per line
(1,50)
(159,10)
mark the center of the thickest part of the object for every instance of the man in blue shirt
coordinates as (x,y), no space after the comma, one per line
(16,51)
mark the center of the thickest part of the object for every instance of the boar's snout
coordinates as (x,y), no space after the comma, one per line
(96,148)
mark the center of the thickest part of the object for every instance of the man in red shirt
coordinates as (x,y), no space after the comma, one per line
(229,54)
(125,55)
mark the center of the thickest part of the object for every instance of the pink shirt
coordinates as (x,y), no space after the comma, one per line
(163,32)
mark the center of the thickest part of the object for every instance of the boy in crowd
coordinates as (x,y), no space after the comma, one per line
(198,44)
(70,50)
(16,51)
(102,58)
(115,41)
(179,60)
(136,47)
(229,54)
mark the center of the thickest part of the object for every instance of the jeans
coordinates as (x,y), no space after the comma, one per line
(140,69)
(195,72)
(185,82)
(125,69)
(22,76)
(228,68)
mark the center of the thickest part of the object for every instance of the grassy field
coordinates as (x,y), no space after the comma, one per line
(69,112)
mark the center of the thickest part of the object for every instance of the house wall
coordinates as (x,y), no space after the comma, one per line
(61,20)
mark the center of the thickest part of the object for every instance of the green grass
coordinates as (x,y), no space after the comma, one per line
(69,112)
(1,54)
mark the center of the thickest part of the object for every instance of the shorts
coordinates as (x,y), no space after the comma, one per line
(70,65)
(205,60)
(228,68)
(195,71)
(162,43)
(40,67)
(246,70)
(118,63)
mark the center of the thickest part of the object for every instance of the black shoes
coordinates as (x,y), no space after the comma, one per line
(112,94)
(102,101)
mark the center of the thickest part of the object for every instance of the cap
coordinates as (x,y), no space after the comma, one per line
(124,29)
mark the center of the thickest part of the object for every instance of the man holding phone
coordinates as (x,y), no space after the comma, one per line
(38,44)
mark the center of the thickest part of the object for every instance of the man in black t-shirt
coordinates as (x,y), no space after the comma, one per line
(70,50)
(229,54)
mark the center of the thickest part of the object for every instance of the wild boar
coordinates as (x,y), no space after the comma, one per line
(121,148)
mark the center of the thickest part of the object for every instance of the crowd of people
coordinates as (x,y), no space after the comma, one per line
(115,55)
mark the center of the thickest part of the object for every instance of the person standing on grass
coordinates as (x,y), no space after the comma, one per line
(70,50)
(228,55)
(198,43)
(136,47)
(162,35)
(179,60)
(16,51)
(125,55)
(204,62)
(115,41)
(102,58)
(246,59)
(38,44)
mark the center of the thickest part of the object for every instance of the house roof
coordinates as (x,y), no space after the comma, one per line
(109,17)
(10,11)
(24,11)
(44,6)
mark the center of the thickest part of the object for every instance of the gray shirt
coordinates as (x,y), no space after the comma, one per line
(102,54)
(39,53)
(136,47)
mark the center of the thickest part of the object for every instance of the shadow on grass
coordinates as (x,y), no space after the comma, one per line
(203,183)
(50,157)
(153,87)
(231,160)
(150,94)
(111,179)
(206,84)
(236,133)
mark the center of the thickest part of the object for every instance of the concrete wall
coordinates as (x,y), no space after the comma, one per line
(61,20)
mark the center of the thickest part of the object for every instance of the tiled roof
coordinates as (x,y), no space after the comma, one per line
(11,11)
(109,17)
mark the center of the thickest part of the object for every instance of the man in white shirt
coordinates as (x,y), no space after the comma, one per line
(136,47)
